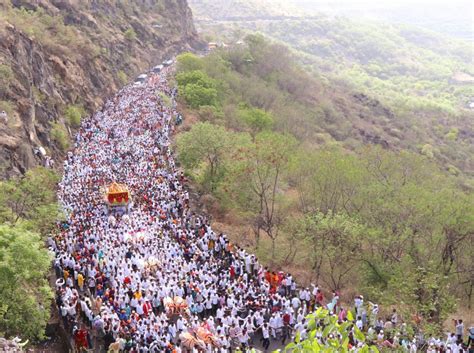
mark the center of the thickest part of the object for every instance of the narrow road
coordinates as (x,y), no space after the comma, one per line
(116,271)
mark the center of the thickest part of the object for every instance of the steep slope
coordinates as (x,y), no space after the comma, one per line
(60,58)
(423,78)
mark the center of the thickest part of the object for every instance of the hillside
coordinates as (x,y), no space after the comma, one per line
(236,201)
(454,20)
(339,150)
(367,218)
(241,9)
(423,78)
(60,59)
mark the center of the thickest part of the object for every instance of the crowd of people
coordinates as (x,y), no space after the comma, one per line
(116,270)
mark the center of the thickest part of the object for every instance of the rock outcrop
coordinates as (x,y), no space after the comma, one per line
(59,53)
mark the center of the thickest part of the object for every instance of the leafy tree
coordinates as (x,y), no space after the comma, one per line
(257,120)
(329,180)
(197,77)
(256,181)
(204,148)
(25,296)
(30,198)
(60,135)
(74,114)
(336,241)
(327,335)
(197,96)
(189,62)
(197,88)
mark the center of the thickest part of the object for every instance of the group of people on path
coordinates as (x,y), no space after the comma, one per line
(116,271)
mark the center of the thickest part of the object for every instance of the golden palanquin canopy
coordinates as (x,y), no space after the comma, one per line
(117,194)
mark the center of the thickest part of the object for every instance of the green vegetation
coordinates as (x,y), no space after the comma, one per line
(38,96)
(165,99)
(30,200)
(203,150)
(25,295)
(49,30)
(122,77)
(256,120)
(74,115)
(6,75)
(390,224)
(409,69)
(60,135)
(335,336)
(197,88)
(7,106)
(416,83)
(189,62)
(130,34)
(28,209)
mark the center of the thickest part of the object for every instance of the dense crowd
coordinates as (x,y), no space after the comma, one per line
(116,270)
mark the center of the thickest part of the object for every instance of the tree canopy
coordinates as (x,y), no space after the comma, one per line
(28,211)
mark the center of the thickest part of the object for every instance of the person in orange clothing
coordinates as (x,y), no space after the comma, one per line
(138,295)
(80,281)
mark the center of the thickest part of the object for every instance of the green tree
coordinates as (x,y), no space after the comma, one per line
(203,151)
(25,295)
(256,182)
(329,179)
(256,120)
(74,114)
(60,135)
(336,242)
(130,34)
(326,335)
(189,62)
(197,96)
(195,77)
(30,198)
(197,89)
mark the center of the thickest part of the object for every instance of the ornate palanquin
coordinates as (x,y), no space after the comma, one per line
(117,194)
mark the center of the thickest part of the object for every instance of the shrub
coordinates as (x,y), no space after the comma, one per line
(60,135)
(197,77)
(6,76)
(189,62)
(167,102)
(211,114)
(122,77)
(256,120)
(38,95)
(197,96)
(130,34)
(74,114)
(7,106)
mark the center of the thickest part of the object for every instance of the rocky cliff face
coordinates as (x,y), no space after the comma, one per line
(58,54)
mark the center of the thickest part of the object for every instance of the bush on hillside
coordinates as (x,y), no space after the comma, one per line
(60,135)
